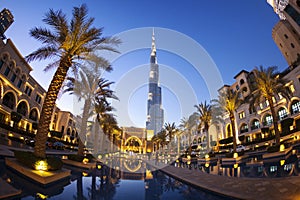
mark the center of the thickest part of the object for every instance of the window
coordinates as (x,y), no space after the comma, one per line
(19,83)
(268,120)
(292,88)
(13,78)
(33,115)
(1,63)
(237,87)
(9,100)
(282,113)
(295,107)
(292,45)
(7,70)
(38,98)
(293,13)
(286,37)
(28,90)
(22,108)
(242,81)
(244,128)
(255,124)
(242,115)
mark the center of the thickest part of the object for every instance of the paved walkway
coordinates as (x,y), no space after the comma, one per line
(287,188)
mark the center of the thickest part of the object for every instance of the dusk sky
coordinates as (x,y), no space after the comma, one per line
(234,34)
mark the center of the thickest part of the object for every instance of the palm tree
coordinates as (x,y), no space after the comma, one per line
(228,101)
(64,43)
(88,87)
(178,134)
(269,84)
(186,125)
(205,117)
(170,131)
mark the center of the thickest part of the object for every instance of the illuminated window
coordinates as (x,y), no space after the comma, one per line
(292,88)
(295,107)
(282,113)
(242,115)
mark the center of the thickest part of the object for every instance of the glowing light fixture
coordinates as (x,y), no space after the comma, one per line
(282,162)
(206,156)
(41,165)
(41,196)
(235,155)
(281,147)
(235,165)
(85,160)
(206,165)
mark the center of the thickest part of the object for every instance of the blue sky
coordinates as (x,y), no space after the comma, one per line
(235,34)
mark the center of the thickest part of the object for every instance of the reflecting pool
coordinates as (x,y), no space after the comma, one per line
(109,181)
(253,167)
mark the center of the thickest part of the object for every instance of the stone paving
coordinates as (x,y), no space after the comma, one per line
(287,188)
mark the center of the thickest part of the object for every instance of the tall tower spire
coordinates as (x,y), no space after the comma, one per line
(153,58)
(155,113)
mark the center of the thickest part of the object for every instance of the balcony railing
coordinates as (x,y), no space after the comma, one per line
(16,129)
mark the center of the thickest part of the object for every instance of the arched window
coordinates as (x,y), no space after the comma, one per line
(295,108)
(33,115)
(228,130)
(9,100)
(199,140)
(22,108)
(69,131)
(242,81)
(244,128)
(282,113)
(255,124)
(194,141)
(268,120)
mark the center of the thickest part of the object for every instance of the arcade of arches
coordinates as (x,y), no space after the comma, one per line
(134,140)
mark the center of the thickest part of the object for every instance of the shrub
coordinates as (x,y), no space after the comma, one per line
(78,158)
(272,149)
(28,159)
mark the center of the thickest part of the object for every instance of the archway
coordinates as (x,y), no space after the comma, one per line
(133,144)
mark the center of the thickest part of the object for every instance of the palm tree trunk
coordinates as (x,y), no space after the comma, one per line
(275,122)
(190,141)
(232,120)
(86,110)
(178,146)
(96,136)
(47,110)
(207,140)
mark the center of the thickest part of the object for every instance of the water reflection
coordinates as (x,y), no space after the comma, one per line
(109,181)
(251,167)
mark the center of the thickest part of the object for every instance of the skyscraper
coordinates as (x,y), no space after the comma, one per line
(155,113)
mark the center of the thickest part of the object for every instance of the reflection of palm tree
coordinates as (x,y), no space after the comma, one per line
(268,85)
(68,43)
(79,195)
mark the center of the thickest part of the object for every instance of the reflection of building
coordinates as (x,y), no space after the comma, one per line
(155,113)
(286,32)
(133,140)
